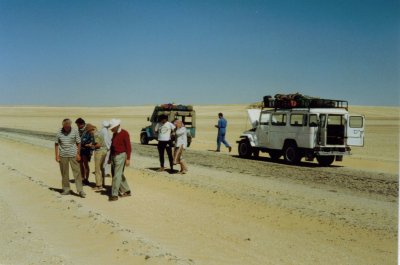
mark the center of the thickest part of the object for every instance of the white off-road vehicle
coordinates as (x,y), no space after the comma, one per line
(321,131)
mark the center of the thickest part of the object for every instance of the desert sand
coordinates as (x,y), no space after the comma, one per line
(225,211)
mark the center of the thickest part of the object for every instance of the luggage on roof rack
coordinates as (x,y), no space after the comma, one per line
(289,101)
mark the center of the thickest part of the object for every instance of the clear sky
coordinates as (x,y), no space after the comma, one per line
(112,53)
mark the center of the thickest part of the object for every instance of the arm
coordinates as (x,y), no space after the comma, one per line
(127,142)
(219,124)
(78,156)
(57,152)
(78,145)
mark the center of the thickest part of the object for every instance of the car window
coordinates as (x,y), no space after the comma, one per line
(356,122)
(278,119)
(298,120)
(264,120)
(313,120)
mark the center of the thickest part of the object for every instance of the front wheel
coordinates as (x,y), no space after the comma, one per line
(244,149)
(325,161)
(144,139)
(291,154)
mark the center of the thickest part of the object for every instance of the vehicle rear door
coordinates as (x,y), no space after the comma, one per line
(355,130)
(322,129)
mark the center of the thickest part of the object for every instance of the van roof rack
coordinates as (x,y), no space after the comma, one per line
(299,101)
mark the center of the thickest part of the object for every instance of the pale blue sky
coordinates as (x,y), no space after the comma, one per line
(111,53)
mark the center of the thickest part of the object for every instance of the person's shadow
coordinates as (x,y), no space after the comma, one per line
(155,169)
(61,190)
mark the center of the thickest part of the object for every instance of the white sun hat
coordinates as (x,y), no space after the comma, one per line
(114,123)
(106,124)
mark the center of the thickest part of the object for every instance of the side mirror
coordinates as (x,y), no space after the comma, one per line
(256,124)
(148,118)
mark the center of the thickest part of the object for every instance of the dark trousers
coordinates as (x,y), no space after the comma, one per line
(162,146)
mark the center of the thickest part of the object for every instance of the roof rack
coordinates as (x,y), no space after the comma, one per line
(299,101)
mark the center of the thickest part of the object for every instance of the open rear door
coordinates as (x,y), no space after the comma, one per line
(355,130)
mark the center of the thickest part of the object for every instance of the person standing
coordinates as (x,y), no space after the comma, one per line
(107,140)
(164,129)
(67,146)
(180,145)
(120,157)
(100,152)
(222,124)
(86,149)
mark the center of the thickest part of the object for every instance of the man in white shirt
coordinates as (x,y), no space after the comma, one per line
(164,129)
(107,140)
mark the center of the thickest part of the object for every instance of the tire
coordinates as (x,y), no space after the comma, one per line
(275,155)
(291,153)
(245,149)
(325,161)
(144,139)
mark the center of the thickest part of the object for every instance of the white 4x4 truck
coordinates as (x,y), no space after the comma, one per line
(324,132)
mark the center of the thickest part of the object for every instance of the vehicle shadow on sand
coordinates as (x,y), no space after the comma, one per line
(283,162)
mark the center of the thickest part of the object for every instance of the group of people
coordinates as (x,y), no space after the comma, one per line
(75,147)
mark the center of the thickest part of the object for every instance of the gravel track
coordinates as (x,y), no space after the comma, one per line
(382,186)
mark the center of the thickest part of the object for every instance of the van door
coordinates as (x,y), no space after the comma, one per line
(355,130)
(263,129)
(322,129)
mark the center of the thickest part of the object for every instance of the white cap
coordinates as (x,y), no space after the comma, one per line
(106,124)
(114,123)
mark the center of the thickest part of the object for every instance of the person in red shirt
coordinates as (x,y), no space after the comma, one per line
(120,157)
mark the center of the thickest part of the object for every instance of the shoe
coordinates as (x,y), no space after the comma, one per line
(66,192)
(85,182)
(183,172)
(97,188)
(82,194)
(126,194)
(161,169)
(230,149)
(217,151)
(113,198)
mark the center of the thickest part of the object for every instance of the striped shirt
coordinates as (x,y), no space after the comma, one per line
(67,142)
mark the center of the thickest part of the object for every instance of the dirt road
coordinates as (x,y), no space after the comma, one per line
(226,211)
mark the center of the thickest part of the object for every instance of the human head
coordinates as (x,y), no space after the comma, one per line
(106,124)
(178,123)
(114,125)
(90,128)
(66,124)
(220,115)
(80,123)
(163,119)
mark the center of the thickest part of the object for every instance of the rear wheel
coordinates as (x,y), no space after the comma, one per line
(275,155)
(325,161)
(244,149)
(144,139)
(291,153)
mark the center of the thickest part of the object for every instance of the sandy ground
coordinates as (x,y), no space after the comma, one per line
(226,211)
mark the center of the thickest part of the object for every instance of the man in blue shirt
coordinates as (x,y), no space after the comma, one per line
(222,123)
